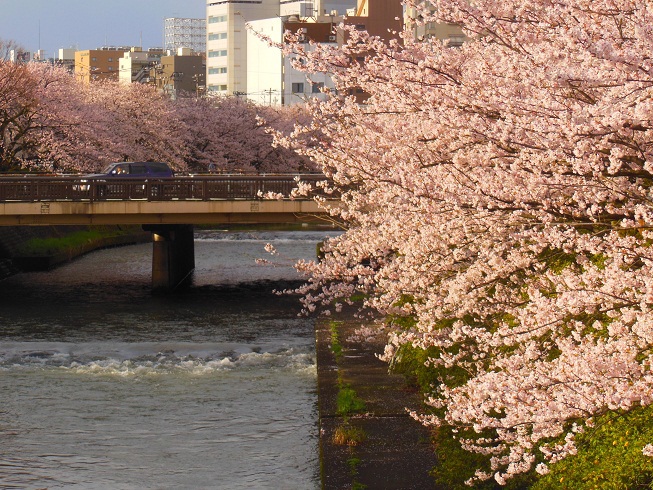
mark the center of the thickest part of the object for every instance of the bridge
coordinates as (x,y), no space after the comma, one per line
(168,208)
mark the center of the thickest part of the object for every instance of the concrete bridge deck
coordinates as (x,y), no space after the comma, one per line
(168,208)
(157,212)
(180,200)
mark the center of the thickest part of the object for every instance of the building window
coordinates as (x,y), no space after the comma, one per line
(110,59)
(316,88)
(93,58)
(216,36)
(217,88)
(456,40)
(220,70)
(214,19)
(298,88)
(217,53)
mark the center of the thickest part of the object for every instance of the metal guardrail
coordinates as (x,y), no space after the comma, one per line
(196,188)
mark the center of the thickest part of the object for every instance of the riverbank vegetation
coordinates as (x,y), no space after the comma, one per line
(497,202)
(66,242)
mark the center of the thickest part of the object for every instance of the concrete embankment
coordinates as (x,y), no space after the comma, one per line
(367,438)
(14,244)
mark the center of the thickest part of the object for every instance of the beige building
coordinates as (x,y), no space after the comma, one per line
(378,17)
(180,74)
(98,64)
(451,33)
(271,77)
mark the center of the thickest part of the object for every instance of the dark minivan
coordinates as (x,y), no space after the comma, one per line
(135,170)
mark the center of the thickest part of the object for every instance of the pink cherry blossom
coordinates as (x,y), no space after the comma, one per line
(499,194)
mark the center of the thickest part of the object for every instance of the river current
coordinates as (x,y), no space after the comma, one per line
(106,386)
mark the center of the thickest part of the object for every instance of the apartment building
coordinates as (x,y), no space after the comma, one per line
(98,64)
(227,34)
(271,78)
(180,74)
(134,66)
(420,30)
(378,17)
(226,41)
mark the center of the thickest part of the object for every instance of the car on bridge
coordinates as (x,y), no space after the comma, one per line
(135,170)
(116,180)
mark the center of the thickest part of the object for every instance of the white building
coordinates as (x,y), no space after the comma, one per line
(227,39)
(134,66)
(271,79)
(66,57)
(317,9)
(181,32)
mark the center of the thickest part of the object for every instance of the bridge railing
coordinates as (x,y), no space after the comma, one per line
(202,188)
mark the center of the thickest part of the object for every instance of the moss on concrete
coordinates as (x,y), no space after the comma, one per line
(383,447)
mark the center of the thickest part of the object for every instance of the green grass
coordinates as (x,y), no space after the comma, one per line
(609,455)
(55,245)
(348,435)
(348,402)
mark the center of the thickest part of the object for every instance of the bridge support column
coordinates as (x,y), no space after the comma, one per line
(173,255)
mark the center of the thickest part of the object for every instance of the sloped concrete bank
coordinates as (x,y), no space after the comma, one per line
(13,240)
(371,442)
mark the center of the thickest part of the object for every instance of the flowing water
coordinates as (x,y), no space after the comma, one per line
(104,385)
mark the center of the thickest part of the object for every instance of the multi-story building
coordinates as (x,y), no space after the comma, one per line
(451,33)
(227,34)
(184,33)
(226,41)
(135,64)
(98,64)
(271,79)
(379,18)
(66,58)
(179,74)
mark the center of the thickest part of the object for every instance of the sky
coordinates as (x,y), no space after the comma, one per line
(88,24)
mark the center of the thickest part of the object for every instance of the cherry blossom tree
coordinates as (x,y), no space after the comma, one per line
(232,133)
(499,196)
(18,101)
(135,123)
(50,121)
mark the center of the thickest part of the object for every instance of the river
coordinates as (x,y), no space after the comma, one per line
(106,386)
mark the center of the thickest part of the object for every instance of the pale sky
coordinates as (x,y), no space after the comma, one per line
(90,24)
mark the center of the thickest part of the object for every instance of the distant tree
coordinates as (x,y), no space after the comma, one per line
(18,105)
(233,134)
(134,122)
(6,47)
(50,121)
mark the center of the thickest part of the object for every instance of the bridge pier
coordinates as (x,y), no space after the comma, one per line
(173,255)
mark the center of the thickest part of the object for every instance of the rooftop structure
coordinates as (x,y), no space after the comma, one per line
(184,33)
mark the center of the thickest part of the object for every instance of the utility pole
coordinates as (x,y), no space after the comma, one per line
(269,91)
